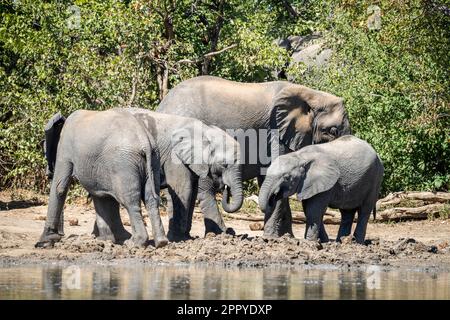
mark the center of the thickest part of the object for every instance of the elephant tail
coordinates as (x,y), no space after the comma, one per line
(374,212)
(153,168)
(52,134)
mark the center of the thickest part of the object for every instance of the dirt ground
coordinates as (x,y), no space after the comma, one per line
(419,244)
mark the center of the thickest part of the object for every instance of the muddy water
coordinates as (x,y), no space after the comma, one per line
(197,282)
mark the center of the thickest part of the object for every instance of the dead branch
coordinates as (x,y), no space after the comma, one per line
(419,213)
(220,51)
(207,55)
(397,197)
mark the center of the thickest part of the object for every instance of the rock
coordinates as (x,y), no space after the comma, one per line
(309,50)
(256,226)
(433,249)
(210,235)
(40,217)
(126,223)
(73,222)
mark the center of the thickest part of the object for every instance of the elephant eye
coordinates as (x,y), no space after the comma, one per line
(334,131)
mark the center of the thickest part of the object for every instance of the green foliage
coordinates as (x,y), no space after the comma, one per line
(116,53)
(395,82)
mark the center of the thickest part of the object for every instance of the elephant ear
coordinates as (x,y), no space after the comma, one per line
(52,134)
(191,152)
(320,175)
(293,117)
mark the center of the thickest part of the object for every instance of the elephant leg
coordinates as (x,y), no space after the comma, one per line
(323,236)
(279,222)
(179,181)
(315,208)
(129,193)
(363,218)
(138,230)
(345,228)
(169,208)
(54,225)
(191,208)
(207,198)
(108,225)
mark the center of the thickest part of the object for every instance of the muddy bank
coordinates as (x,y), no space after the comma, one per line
(414,244)
(243,250)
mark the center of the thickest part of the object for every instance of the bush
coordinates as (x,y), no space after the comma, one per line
(395,82)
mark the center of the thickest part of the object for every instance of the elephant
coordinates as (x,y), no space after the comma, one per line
(112,166)
(344,174)
(278,117)
(176,140)
(221,163)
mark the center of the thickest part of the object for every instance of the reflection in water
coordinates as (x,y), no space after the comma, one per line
(197,282)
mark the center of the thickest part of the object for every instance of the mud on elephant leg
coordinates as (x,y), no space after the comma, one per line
(207,198)
(178,217)
(54,225)
(363,218)
(179,191)
(279,222)
(191,208)
(108,225)
(323,236)
(345,227)
(315,208)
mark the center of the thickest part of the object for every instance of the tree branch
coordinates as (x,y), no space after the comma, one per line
(207,55)
(294,14)
(210,54)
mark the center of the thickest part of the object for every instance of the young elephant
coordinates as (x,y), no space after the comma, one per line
(191,150)
(113,157)
(344,174)
(187,149)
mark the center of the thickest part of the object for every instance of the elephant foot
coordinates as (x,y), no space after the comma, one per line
(161,242)
(276,232)
(137,241)
(122,236)
(178,236)
(105,234)
(48,238)
(214,227)
(276,235)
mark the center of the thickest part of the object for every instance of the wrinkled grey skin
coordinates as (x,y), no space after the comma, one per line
(344,174)
(173,140)
(302,116)
(115,168)
(181,180)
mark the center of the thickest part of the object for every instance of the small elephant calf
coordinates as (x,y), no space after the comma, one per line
(344,174)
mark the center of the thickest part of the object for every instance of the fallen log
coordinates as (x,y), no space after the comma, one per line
(419,213)
(330,217)
(334,217)
(397,197)
(430,204)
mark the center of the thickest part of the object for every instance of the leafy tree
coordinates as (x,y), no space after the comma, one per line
(68,55)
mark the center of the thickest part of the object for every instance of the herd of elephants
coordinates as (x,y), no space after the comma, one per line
(124,156)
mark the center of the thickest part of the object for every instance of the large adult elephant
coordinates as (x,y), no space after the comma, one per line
(299,115)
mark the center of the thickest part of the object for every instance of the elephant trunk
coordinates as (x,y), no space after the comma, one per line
(266,195)
(234,190)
